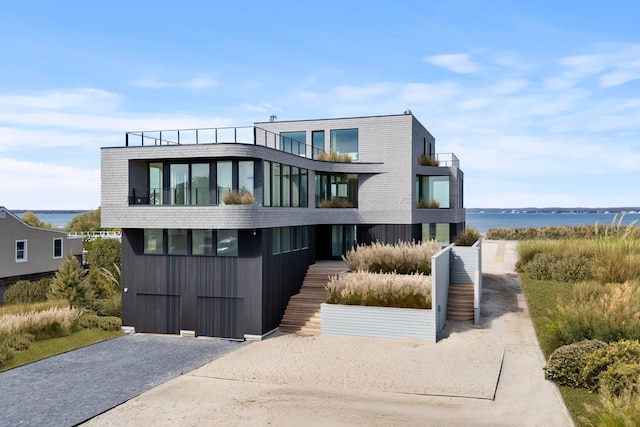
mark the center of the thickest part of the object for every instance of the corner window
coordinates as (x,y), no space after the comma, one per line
(432,191)
(21,251)
(345,141)
(57,248)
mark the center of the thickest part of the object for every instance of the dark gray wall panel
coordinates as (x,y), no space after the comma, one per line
(158,314)
(221,317)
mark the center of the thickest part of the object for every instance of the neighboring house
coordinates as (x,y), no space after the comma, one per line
(192,263)
(31,253)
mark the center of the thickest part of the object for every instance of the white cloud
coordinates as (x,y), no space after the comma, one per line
(77,99)
(155,83)
(456,62)
(48,186)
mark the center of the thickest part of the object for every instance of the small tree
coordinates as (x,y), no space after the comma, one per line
(71,284)
(32,219)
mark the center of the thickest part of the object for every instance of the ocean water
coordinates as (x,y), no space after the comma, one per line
(485,221)
(481,221)
(57,219)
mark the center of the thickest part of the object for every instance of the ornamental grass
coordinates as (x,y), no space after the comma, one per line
(425,160)
(53,321)
(381,290)
(333,156)
(401,258)
(242,197)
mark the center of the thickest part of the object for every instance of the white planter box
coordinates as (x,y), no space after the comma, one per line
(378,322)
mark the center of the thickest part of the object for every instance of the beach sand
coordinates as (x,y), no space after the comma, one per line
(478,375)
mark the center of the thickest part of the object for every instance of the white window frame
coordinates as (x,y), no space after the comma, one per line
(61,247)
(24,251)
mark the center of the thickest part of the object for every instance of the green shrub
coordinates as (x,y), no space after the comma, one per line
(333,156)
(242,197)
(595,311)
(71,284)
(6,352)
(20,341)
(402,258)
(430,204)
(101,286)
(620,377)
(26,292)
(468,237)
(381,290)
(425,160)
(109,306)
(108,323)
(571,268)
(566,363)
(615,410)
(540,267)
(601,360)
(336,202)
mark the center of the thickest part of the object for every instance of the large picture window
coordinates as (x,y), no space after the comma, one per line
(287,239)
(336,190)
(285,185)
(345,141)
(201,183)
(432,191)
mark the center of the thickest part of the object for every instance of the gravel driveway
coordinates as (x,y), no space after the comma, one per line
(72,387)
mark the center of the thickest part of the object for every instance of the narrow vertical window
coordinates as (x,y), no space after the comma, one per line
(21,251)
(179,181)
(245,176)
(317,141)
(266,192)
(224,179)
(276,244)
(295,186)
(200,192)
(303,188)
(275,184)
(57,248)
(286,185)
(155,183)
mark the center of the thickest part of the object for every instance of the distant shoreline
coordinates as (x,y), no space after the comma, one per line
(48,211)
(555,210)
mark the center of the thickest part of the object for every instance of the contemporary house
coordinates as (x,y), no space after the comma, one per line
(31,253)
(193,261)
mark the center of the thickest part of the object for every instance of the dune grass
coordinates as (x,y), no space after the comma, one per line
(42,349)
(542,298)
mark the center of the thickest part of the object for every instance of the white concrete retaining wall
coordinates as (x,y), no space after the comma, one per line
(467,268)
(440,274)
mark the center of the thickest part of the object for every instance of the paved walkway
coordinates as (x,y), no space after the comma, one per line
(72,387)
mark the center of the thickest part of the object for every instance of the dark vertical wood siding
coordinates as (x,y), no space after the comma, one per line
(161,314)
(185,279)
(282,277)
(221,317)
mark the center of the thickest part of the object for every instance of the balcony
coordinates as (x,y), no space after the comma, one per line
(176,196)
(250,135)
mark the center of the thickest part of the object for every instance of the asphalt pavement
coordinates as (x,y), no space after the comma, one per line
(70,388)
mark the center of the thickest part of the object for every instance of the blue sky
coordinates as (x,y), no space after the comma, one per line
(539,100)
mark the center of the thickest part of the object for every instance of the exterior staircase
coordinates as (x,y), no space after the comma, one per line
(460,302)
(303,311)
